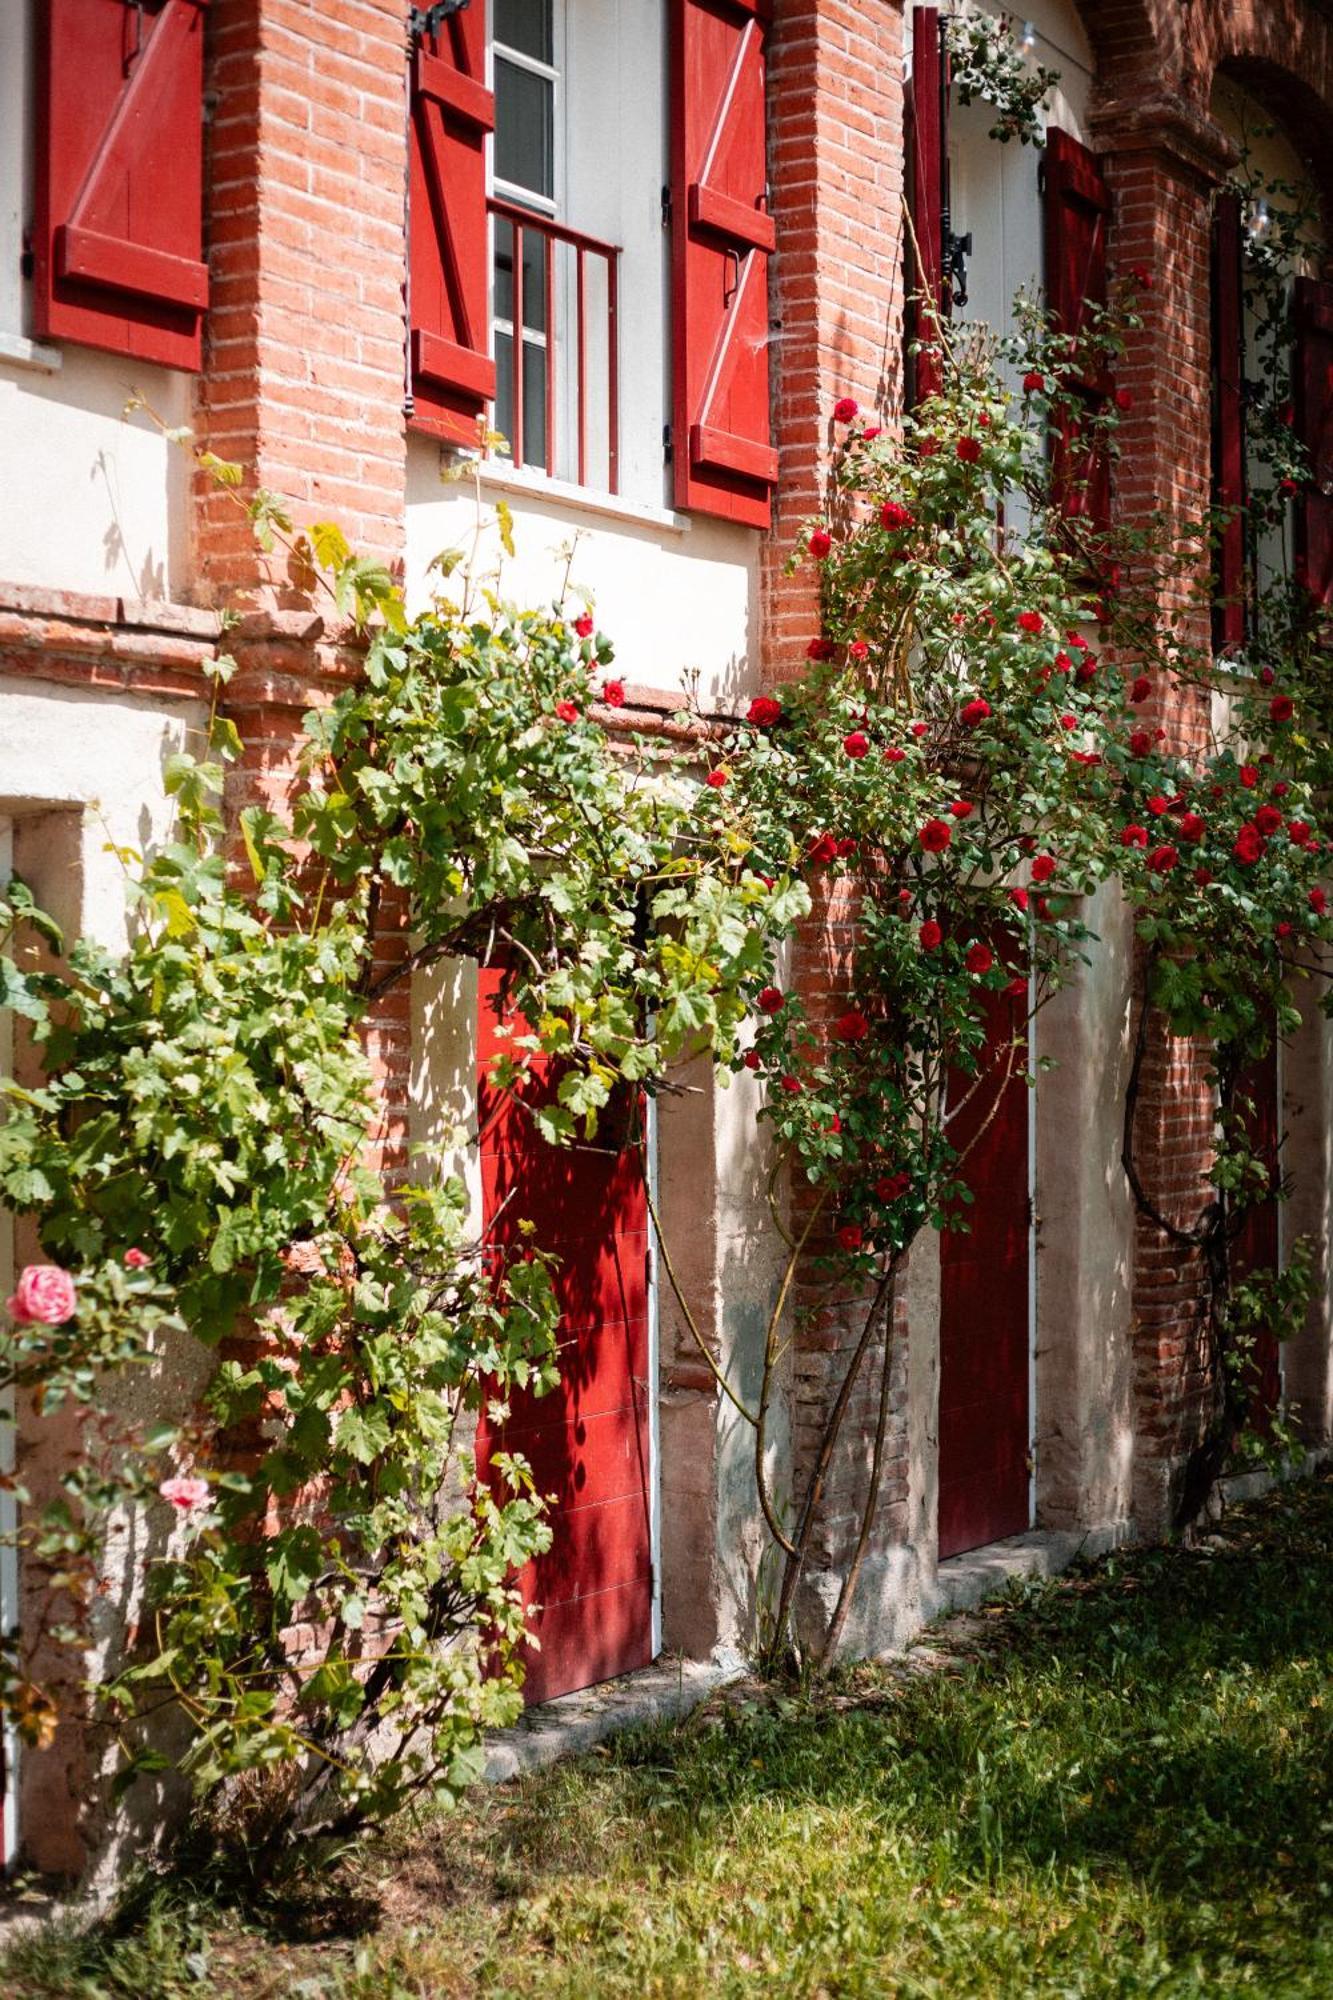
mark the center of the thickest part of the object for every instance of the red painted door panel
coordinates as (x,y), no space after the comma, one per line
(984,1308)
(1256,1247)
(588,1440)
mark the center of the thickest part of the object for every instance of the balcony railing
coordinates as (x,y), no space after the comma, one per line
(561,288)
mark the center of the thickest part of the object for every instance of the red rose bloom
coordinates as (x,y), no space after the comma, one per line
(1077,640)
(1034,383)
(968,449)
(1249,845)
(1141,689)
(856,744)
(1192,827)
(1043,867)
(1318,901)
(1017,988)
(893,755)
(846,845)
(1140,743)
(567,711)
(1087,670)
(851,1026)
(820,543)
(961,808)
(980,958)
(792,1085)
(931,936)
(1298,833)
(919,728)
(1069,722)
(851,1236)
(583,625)
(974,711)
(1063,663)
(717,779)
(1031,621)
(870,432)
(764,711)
(752,1059)
(935,836)
(894,517)
(889,1187)
(1281,708)
(834,1125)
(1123,399)
(1281,789)
(1268,819)
(1142,277)
(772,1000)
(1267,676)
(820,649)
(1158,804)
(1163,859)
(858,650)
(1203,876)
(845,410)
(1134,836)
(1249,776)
(1019,898)
(1282,930)
(822,850)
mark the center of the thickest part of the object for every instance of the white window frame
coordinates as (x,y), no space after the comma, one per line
(17,98)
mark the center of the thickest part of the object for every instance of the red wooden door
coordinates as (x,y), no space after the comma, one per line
(588,1440)
(1256,1247)
(984,1300)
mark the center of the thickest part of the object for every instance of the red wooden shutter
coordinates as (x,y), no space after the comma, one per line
(926,131)
(118,226)
(453,375)
(1314,426)
(1229,578)
(722,236)
(1077,209)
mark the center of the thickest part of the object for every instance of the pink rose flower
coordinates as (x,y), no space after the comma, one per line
(136,1260)
(185,1494)
(44,1294)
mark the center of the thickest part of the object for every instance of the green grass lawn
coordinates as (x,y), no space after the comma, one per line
(1123,1784)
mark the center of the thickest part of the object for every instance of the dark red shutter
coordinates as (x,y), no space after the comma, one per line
(118,227)
(722,236)
(1229,568)
(927,150)
(1077,208)
(453,375)
(1314,427)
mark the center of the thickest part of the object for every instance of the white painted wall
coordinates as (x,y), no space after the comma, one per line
(87,501)
(678,595)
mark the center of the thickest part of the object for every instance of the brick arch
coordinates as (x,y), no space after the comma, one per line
(1130,39)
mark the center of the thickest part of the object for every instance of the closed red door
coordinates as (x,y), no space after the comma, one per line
(588,1441)
(984,1299)
(1256,1247)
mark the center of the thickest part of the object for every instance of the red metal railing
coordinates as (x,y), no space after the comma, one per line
(523,222)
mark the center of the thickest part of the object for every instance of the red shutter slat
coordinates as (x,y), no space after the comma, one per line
(1228,424)
(722,236)
(1314,426)
(118,198)
(928,166)
(1076,217)
(453,374)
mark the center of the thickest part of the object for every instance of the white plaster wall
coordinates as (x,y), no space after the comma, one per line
(101,754)
(678,595)
(90,500)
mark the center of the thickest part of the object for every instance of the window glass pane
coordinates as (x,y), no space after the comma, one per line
(524,129)
(525,25)
(534,275)
(530,449)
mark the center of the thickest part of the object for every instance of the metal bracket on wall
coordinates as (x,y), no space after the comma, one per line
(426,20)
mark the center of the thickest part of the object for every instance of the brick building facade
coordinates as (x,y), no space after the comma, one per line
(641,170)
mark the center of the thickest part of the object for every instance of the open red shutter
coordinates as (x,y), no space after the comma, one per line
(1228,424)
(927,152)
(722,236)
(453,375)
(1077,208)
(118,227)
(1314,426)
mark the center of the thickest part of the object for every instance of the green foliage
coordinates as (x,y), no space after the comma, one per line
(986,62)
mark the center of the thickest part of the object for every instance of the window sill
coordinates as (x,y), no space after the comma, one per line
(20,352)
(580,499)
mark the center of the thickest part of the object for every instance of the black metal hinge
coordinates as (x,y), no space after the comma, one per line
(668,445)
(666,206)
(425,20)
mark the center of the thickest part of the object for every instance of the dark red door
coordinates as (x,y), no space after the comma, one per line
(984,1300)
(588,1441)
(1256,1247)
